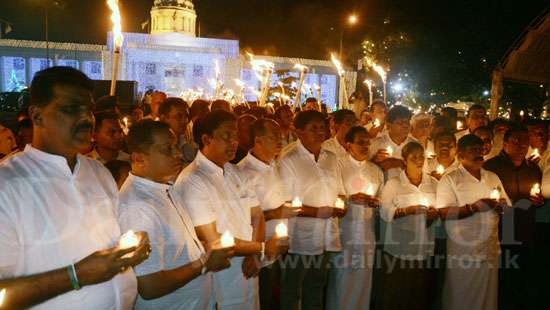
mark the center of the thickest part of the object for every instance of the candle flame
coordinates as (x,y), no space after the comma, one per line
(296,202)
(370,190)
(424,202)
(440,169)
(117,28)
(536,153)
(376,123)
(495,194)
(521,113)
(337,64)
(389,149)
(128,240)
(535,190)
(2,296)
(281,230)
(459,125)
(227,240)
(339,204)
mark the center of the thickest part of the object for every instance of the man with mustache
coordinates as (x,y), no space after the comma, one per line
(445,155)
(59,232)
(108,137)
(471,218)
(219,200)
(176,276)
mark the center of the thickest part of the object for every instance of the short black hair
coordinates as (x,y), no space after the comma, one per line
(499,121)
(103,116)
(44,82)
(377,102)
(106,104)
(398,112)
(445,135)
(259,128)
(476,106)
(350,136)
(484,128)
(514,129)
(340,115)
(140,136)
(172,102)
(442,121)
(409,148)
(451,111)
(303,118)
(311,99)
(198,108)
(467,141)
(209,123)
(219,104)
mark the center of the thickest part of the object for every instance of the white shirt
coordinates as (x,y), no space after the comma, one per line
(407,237)
(121,156)
(332,145)
(357,227)
(317,184)
(461,134)
(383,142)
(476,236)
(267,185)
(148,206)
(51,217)
(212,194)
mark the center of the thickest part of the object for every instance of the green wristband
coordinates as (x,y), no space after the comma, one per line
(72,275)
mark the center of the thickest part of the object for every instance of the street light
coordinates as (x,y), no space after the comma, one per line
(351,20)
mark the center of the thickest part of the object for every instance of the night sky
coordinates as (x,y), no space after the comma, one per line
(448,38)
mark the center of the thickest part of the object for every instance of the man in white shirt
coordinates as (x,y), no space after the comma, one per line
(219,200)
(260,167)
(311,175)
(477,117)
(385,151)
(377,112)
(350,278)
(174,112)
(463,199)
(175,276)
(59,233)
(109,139)
(486,135)
(343,121)
(445,156)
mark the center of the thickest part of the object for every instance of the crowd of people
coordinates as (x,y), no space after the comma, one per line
(366,209)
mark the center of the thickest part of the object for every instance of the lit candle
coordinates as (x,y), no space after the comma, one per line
(495,194)
(128,240)
(376,123)
(424,202)
(459,125)
(281,230)
(370,190)
(389,149)
(296,202)
(339,204)
(440,169)
(535,190)
(535,153)
(227,240)
(2,296)
(521,113)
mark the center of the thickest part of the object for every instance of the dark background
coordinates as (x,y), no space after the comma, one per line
(452,45)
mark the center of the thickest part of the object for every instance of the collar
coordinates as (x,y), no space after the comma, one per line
(256,163)
(405,180)
(208,165)
(355,162)
(50,158)
(146,183)
(302,149)
(463,170)
(507,158)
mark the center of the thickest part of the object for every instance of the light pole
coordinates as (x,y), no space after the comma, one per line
(351,20)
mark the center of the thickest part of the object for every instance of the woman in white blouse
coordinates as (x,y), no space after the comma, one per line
(408,213)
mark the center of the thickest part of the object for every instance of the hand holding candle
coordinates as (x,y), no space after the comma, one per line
(340,204)
(296,202)
(389,150)
(495,194)
(2,296)
(370,190)
(440,169)
(227,240)
(535,190)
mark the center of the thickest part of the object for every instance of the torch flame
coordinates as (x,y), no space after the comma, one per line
(381,72)
(337,64)
(368,83)
(239,83)
(117,28)
(2,296)
(300,67)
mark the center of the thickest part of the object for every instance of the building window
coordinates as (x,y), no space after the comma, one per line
(198,71)
(150,69)
(19,63)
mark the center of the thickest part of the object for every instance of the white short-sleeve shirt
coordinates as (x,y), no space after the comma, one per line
(149,206)
(408,237)
(383,142)
(317,184)
(52,217)
(332,145)
(357,227)
(267,184)
(474,237)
